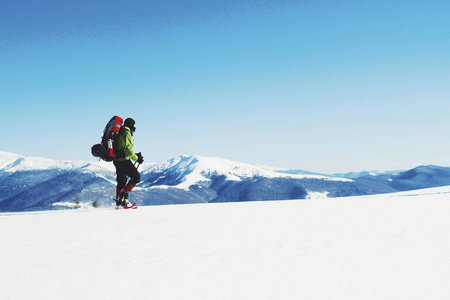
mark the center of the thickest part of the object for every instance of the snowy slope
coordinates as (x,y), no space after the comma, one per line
(395,246)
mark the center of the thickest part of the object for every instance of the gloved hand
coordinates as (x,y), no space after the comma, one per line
(140,158)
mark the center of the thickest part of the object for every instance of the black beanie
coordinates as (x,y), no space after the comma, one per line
(130,123)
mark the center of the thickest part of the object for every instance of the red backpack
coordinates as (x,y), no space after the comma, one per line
(105,150)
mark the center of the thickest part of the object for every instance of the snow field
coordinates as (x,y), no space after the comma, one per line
(393,246)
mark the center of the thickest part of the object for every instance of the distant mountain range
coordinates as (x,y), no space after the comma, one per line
(36,184)
(349,175)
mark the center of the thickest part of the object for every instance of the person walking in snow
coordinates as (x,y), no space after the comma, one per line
(123,146)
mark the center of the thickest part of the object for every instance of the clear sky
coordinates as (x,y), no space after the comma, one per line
(325,86)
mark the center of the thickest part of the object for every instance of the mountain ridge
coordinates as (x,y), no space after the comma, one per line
(36,184)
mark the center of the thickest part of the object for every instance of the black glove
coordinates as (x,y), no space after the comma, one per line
(140,158)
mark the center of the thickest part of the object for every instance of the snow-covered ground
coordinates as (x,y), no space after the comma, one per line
(394,246)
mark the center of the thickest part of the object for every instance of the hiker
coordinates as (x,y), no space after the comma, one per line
(123,146)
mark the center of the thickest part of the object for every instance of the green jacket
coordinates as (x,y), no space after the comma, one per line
(123,145)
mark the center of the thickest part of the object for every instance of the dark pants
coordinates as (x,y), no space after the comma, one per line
(126,169)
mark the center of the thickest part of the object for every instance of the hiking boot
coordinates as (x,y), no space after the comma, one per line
(125,203)
(120,198)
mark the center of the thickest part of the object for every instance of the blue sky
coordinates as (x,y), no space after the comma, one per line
(325,86)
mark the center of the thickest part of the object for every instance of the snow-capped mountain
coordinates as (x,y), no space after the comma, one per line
(348,175)
(34,183)
(207,179)
(186,171)
(354,175)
